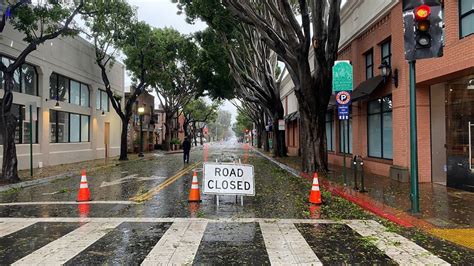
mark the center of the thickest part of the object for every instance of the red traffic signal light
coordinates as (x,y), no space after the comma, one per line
(422,12)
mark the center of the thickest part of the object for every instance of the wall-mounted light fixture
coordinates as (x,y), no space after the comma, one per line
(57,106)
(386,71)
(470,84)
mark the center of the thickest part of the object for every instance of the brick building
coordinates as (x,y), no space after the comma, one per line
(147,101)
(378,130)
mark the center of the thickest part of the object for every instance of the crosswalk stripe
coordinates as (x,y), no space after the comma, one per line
(285,245)
(178,245)
(398,248)
(61,250)
(7,228)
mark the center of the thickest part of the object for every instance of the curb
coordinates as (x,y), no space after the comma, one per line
(31,183)
(328,186)
(45,180)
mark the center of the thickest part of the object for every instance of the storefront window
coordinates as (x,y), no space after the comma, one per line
(85,128)
(74,127)
(75,93)
(369,64)
(386,49)
(85,95)
(459,106)
(379,128)
(25,78)
(22,131)
(466,17)
(67,90)
(69,127)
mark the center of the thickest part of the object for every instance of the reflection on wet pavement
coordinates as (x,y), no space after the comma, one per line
(440,205)
(232,243)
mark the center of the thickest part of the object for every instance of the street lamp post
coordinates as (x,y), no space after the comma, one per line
(141,110)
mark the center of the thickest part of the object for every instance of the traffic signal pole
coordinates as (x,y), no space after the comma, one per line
(414,191)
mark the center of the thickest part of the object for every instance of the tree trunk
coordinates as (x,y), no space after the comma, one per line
(194,134)
(259,136)
(186,129)
(279,145)
(201,135)
(124,139)
(313,126)
(167,142)
(9,122)
(266,144)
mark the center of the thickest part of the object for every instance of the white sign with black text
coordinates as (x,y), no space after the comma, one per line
(228,179)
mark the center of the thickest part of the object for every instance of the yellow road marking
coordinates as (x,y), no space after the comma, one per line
(152,192)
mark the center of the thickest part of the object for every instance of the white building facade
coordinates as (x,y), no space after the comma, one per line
(75,120)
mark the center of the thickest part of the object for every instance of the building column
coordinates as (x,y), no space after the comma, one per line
(44,138)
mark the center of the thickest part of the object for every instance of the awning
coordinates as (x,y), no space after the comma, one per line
(367,87)
(292,117)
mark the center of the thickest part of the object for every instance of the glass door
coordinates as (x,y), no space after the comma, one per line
(471,142)
(459,120)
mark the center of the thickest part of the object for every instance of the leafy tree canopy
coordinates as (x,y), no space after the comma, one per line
(243,123)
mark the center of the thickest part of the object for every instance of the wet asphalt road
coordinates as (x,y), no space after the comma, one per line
(125,181)
(125,236)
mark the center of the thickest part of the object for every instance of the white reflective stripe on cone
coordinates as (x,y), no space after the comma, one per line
(84,186)
(315,188)
(315,181)
(83,178)
(194,186)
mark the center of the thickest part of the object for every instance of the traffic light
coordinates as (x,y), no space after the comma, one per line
(423,24)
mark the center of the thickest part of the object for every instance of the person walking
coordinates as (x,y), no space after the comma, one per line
(186,149)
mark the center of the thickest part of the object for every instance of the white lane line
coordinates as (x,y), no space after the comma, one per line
(398,248)
(7,228)
(67,203)
(178,245)
(286,246)
(65,248)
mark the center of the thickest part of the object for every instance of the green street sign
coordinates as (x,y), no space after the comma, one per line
(342,77)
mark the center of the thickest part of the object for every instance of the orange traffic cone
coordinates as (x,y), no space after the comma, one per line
(84,192)
(315,196)
(194,194)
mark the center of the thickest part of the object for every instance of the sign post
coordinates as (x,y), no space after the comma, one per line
(228,179)
(33,116)
(342,84)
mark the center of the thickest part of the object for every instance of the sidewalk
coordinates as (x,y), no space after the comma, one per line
(445,212)
(50,173)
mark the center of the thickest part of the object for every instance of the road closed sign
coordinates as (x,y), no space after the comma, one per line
(228,179)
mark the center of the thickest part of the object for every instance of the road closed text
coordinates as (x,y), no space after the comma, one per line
(228,179)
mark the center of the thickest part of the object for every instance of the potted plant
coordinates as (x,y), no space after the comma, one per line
(175,143)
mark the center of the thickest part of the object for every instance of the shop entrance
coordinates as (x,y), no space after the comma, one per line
(459,108)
